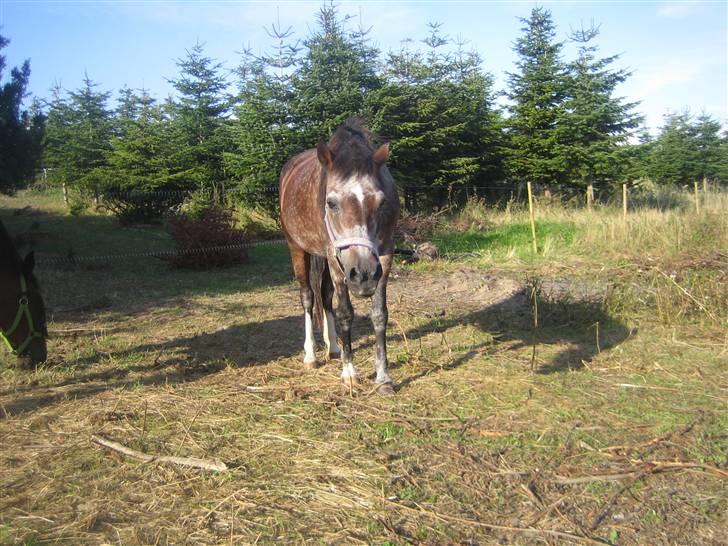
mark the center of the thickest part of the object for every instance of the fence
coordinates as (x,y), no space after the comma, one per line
(414,200)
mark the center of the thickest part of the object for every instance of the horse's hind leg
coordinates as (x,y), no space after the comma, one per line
(329,321)
(301,261)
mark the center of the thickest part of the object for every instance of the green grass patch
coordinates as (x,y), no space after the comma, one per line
(504,239)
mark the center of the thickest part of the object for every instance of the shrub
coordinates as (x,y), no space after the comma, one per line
(207,237)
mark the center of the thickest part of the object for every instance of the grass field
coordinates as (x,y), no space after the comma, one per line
(576,396)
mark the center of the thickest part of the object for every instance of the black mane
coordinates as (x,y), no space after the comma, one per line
(352,147)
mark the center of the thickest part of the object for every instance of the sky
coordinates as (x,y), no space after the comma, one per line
(677,51)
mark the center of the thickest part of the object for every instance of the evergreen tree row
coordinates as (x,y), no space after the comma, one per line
(562,123)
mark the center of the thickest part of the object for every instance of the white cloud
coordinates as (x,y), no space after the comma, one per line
(676,72)
(678,9)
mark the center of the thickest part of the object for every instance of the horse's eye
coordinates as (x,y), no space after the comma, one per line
(332,204)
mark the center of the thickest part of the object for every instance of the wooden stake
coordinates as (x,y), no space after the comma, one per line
(65,195)
(589,197)
(697,198)
(705,185)
(624,201)
(533,220)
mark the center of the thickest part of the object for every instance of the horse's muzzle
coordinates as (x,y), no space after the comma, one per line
(363,280)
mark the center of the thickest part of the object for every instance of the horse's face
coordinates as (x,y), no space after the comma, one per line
(35,350)
(354,206)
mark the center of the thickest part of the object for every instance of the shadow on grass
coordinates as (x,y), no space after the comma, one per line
(175,361)
(570,333)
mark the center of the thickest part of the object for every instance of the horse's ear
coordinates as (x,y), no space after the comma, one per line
(381,154)
(325,155)
(29,263)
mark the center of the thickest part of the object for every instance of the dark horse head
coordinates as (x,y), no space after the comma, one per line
(22,310)
(354,182)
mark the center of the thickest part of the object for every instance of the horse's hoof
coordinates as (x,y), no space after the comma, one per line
(385,389)
(335,356)
(312,365)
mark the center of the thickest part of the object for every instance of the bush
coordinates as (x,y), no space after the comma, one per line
(207,238)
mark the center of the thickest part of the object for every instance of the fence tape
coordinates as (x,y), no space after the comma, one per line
(159,254)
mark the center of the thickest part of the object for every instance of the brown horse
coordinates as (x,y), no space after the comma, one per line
(339,208)
(22,311)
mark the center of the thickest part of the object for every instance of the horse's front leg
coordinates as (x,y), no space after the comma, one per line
(380,317)
(301,261)
(343,318)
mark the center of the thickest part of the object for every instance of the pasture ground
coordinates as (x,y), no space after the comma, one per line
(604,422)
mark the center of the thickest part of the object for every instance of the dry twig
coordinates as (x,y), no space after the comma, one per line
(192,462)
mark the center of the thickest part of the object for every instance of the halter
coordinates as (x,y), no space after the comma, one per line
(23,311)
(341,243)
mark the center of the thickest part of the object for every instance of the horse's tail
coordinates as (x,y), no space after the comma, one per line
(323,288)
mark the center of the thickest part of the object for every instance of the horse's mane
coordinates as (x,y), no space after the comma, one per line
(8,253)
(352,144)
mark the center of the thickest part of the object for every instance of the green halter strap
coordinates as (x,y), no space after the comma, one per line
(23,311)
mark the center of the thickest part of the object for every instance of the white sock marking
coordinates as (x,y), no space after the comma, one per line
(309,345)
(330,333)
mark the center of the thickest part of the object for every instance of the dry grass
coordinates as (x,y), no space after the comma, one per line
(611,430)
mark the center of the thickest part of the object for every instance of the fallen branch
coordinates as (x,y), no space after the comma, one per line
(192,462)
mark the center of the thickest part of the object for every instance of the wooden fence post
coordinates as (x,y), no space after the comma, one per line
(697,199)
(533,220)
(65,195)
(589,197)
(624,201)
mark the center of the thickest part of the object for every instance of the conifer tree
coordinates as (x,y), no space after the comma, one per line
(595,122)
(198,114)
(336,72)
(262,135)
(537,92)
(674,153)
(20,130)
(437,107)
(140,156)
(78,136)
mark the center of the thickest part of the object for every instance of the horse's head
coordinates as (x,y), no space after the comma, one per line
(22,313)
(354,203)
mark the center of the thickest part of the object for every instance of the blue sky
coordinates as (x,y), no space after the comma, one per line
(677,50)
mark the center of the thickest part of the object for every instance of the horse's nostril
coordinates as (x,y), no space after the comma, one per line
(353,274)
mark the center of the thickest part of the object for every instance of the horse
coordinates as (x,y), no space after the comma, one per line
(22,309)
(338,210)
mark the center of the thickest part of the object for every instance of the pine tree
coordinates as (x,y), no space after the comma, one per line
(262,135)
(20,130)
(595,123)
(140,156)
(79,134)
(336,72)
(674,153)
(198,115)
(710,156)
(437,107)
(537,92)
